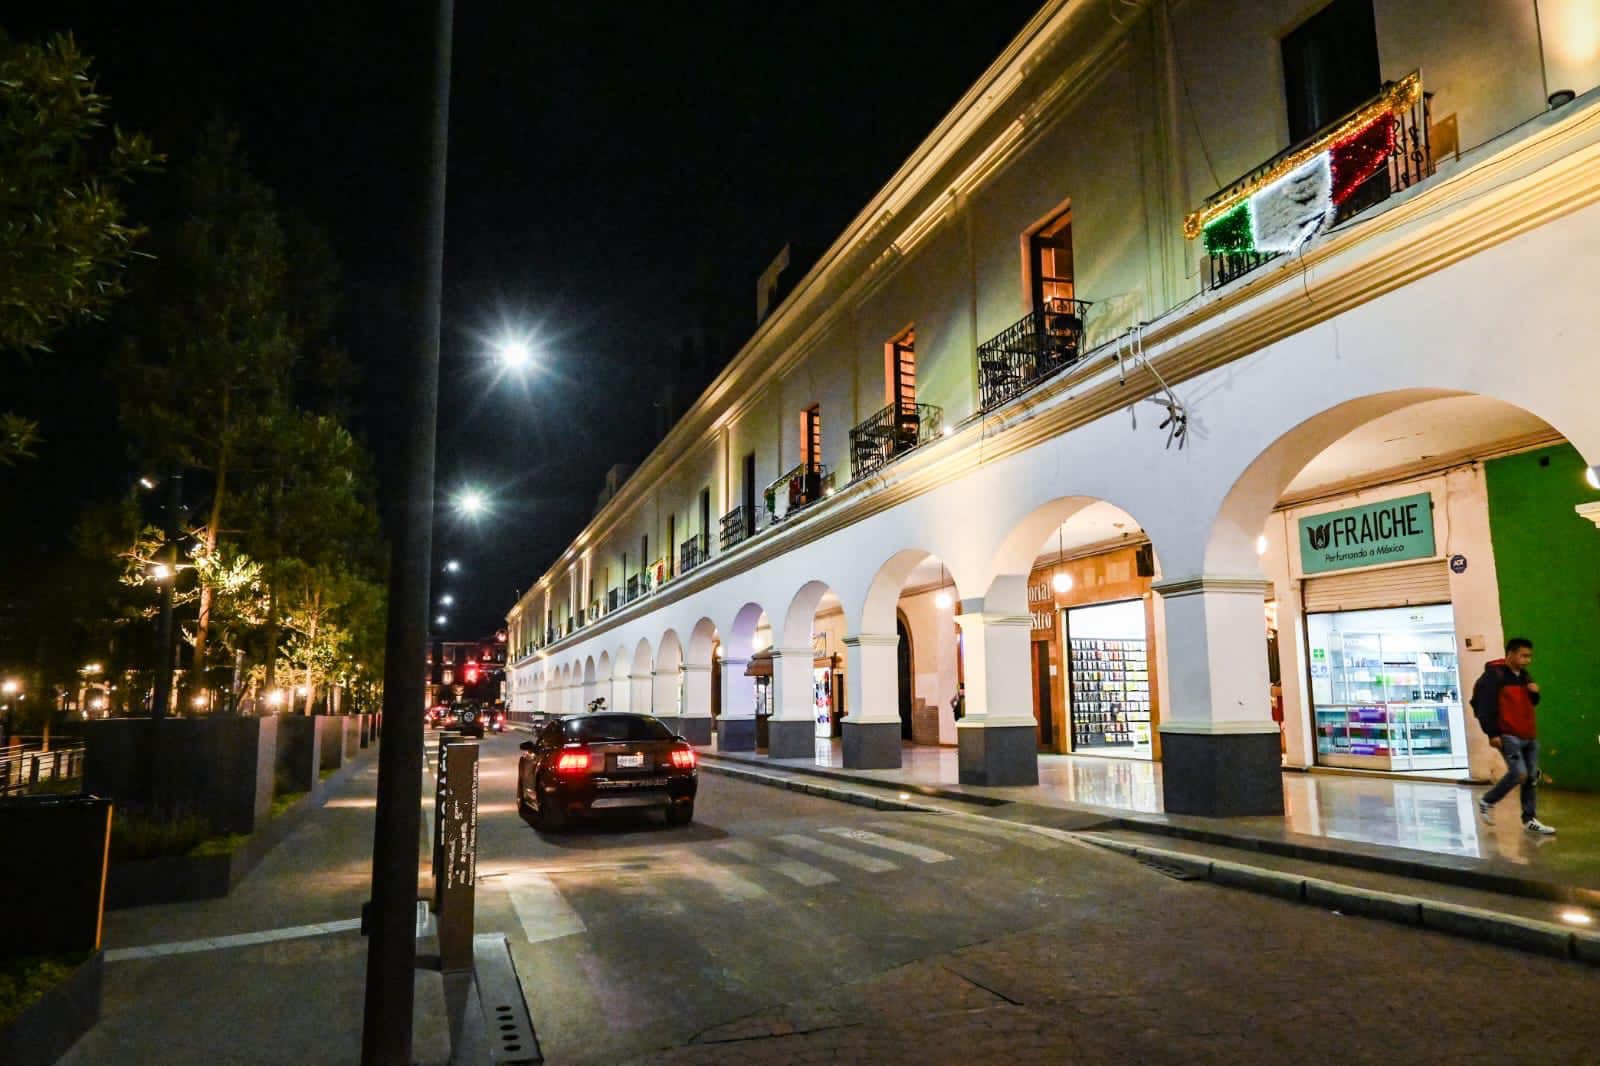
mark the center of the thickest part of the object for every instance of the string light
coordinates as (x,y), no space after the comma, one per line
(1401,96)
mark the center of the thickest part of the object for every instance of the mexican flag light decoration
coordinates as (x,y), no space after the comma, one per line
(1278,209)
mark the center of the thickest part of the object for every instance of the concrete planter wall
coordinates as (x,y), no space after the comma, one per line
(42,1034)
(221,767)
(331,732)
(352,736)
(52,873)
(299,755)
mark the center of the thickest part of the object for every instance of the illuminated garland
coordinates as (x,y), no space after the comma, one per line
(1354,150)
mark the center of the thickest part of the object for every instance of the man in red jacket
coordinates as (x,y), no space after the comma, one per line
(1503,701)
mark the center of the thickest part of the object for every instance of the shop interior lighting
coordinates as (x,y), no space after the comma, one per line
(1572,917)
(1062,581)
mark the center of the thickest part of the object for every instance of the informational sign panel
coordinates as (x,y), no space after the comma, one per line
(1393,531)
(458,864)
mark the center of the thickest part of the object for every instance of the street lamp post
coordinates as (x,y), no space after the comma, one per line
(391,926)
(166,572)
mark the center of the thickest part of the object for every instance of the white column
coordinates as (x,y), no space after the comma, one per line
(872,728)
(695,707)
(997,740)
(736,729)
(1219,743)
(666,692)
(639,696)
(792,730)
(621,697)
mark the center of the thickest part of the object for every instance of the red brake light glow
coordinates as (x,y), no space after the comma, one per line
(683,758)
(572,762)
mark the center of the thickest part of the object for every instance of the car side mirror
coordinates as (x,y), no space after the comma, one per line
(526,745)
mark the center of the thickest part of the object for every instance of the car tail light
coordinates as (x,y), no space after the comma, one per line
(683,758)
(572,762)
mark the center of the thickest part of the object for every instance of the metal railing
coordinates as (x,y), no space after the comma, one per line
(890,433)
(693,552)
(1406,159)
(1033,348)
(24,767)
(613,599)
(637,586)
(739,524)
(804,485)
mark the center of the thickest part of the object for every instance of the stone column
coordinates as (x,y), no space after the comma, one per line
(872,728)
(736,729)
(792,730)
(666,690)
(639,693)
(1219,743)
(695,723)
(997,741)
(620,698)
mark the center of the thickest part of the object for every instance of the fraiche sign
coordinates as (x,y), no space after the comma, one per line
(1393,531)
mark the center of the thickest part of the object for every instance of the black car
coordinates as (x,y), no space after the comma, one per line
(591,762)
(470,718)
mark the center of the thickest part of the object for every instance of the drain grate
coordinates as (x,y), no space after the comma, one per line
(1174,870)
(505,1011)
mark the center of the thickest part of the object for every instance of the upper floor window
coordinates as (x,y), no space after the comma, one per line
(900,371)
(1330,66)
(811,439)
(1050,261)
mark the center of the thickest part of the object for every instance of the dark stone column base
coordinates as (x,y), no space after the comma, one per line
(791,740)
(872,746)
(998,755)
(695,730)
(1221,775)
(736,734)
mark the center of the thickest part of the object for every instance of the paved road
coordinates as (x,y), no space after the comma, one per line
(785,928)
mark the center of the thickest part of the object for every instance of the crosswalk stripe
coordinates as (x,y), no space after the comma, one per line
(878,840)
(869,863)
(543,911)
(1018,835)
(725,882)
(956,841)
(802,872)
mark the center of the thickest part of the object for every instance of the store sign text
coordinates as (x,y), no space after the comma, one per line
(1389,532)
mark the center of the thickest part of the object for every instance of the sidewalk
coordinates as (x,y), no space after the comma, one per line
(272,973)
(1422,829)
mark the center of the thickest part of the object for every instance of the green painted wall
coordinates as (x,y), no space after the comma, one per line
(1548,565)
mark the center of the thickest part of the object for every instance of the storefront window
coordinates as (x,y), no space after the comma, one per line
(1109,679)
(1386,688)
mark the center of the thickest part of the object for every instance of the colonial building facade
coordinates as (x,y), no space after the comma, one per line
(1216,385)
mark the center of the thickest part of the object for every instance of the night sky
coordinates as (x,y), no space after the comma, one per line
(619,176)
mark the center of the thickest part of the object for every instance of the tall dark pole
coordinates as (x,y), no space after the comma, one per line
(169,559)
(391,926)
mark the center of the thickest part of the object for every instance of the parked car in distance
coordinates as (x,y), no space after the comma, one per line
(436,715)
(590,762)
(495,720)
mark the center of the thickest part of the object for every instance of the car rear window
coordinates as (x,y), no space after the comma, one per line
(617,727)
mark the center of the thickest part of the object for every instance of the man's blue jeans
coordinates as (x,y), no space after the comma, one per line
(1522,766)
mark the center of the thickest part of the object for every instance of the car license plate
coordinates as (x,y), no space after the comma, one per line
(626,761)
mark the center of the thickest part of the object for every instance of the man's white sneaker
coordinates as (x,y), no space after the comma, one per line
(1533,825)
(1485,813)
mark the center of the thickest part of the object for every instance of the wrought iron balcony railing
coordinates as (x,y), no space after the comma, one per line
(739,524)
(693,552)
(1030,350)
(1344,168)
(803,485)
(638,585)
(891,432)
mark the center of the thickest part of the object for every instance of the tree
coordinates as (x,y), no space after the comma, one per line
(212,346)
(65,241)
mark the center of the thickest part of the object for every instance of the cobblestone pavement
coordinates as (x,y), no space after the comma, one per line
(1182,972)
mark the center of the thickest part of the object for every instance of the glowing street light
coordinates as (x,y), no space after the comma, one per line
(447,599)
(275,698)
(441,620)
(10,686)
(472,502)
(514,353)
(160,572)
(452,567)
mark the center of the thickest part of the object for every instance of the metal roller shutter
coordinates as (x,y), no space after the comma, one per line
(1394,586)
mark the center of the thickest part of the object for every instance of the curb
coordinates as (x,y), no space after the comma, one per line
(842,795)
(1454,919)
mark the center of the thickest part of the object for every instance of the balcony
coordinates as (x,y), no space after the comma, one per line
(890,433)
(693,552)
(613,600)
(1346,167)
(1031,350)
(804,485)
(638,585)
(739,524)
